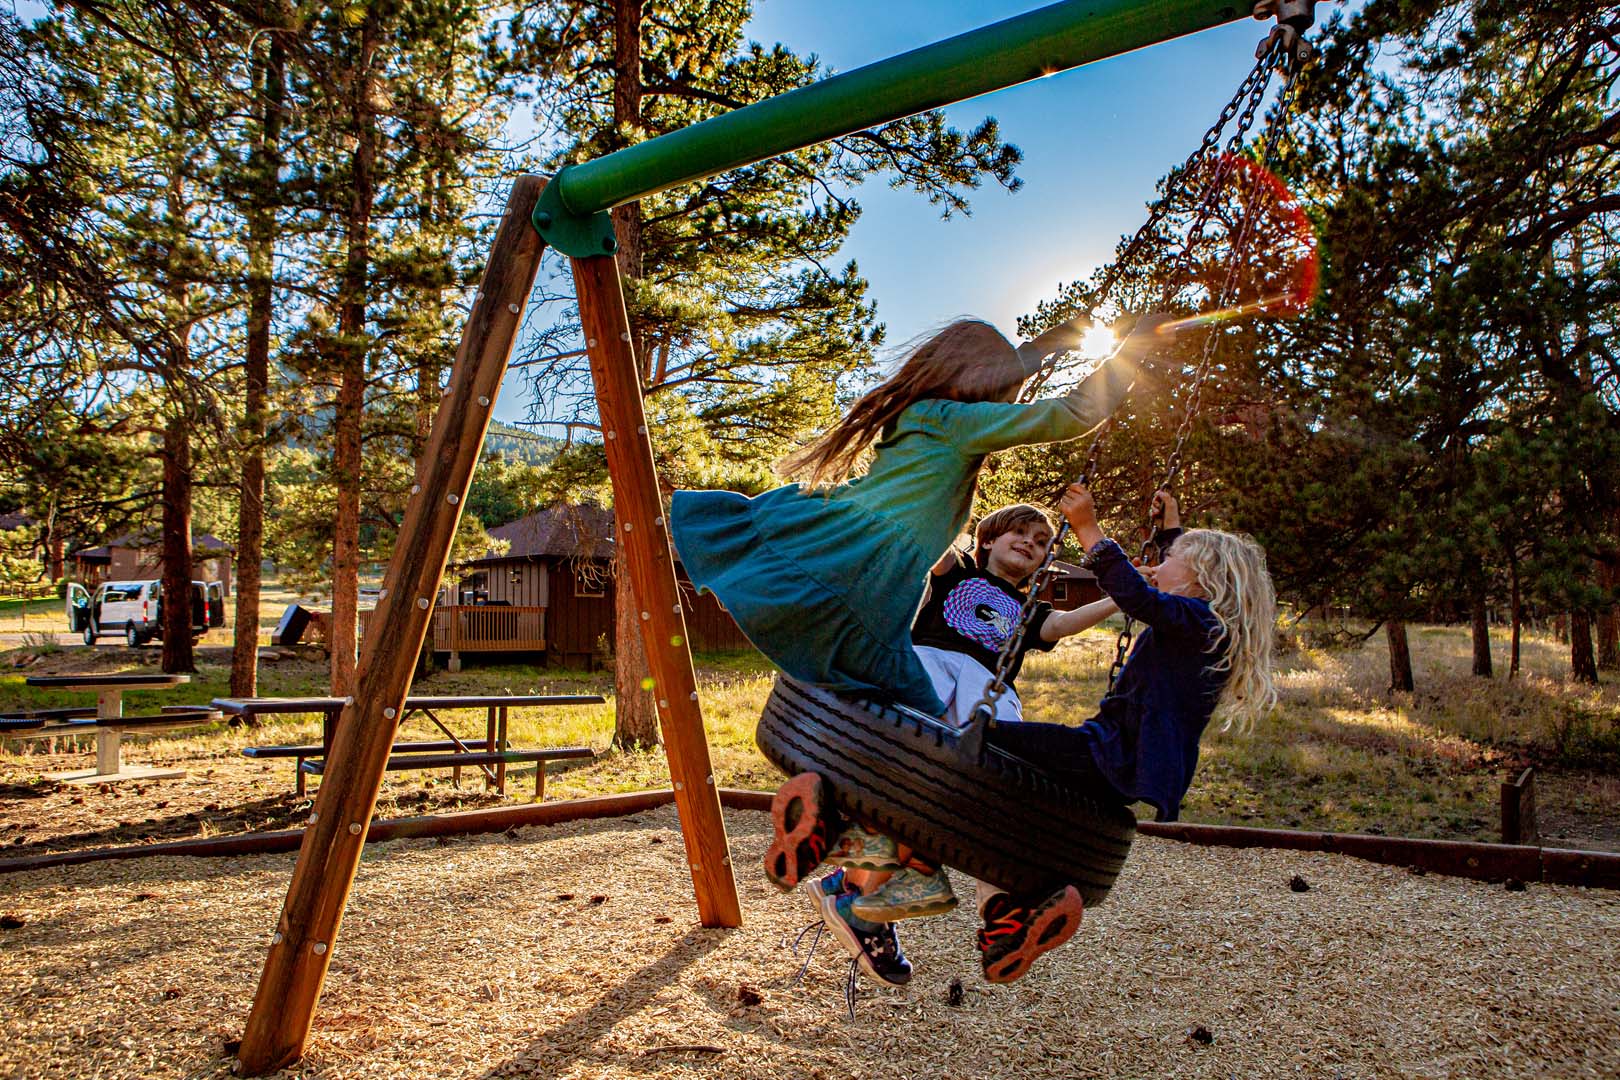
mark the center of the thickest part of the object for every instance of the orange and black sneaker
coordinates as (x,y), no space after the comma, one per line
(1016,933)
(800,815)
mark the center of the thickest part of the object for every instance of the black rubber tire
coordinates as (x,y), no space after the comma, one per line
(89,633)
(132,636)
(998,818)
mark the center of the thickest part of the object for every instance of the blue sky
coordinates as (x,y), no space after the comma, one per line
(1095,141)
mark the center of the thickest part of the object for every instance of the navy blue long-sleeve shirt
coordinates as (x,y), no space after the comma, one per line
(1144,738)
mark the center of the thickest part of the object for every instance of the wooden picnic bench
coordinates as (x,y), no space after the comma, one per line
(173,717)
(108,722)
(77,712)
(482,758)
(490,754)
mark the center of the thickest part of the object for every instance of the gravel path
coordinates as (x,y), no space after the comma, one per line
(572,951)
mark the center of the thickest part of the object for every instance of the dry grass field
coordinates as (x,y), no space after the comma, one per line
(1339,754)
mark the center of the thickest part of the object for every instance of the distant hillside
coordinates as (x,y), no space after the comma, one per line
(519,444)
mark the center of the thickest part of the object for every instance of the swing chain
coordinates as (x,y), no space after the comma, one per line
(1274,52)
(1260,78)
(1274,125)
(1249,93)
(1122,646)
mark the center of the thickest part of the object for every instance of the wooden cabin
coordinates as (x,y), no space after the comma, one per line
(1070,586)
(550,595)
(139,556)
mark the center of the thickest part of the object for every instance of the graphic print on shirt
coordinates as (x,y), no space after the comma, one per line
(981,613)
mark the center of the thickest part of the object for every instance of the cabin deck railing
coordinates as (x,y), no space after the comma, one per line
(488,628)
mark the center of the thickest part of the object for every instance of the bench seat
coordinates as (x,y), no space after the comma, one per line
(77,712)
(313,750)
(402,762)
(38,727)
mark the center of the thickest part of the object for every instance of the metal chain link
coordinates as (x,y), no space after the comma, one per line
(1253,84)
(1275,123)
(1251,92)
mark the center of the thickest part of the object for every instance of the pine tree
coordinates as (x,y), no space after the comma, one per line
(749,332)
(139,108)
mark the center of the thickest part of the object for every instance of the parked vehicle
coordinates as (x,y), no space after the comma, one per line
(135,609)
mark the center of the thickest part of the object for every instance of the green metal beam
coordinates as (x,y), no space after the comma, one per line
(570,215)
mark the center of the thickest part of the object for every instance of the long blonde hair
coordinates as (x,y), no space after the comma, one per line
(969,360)
(1232,571)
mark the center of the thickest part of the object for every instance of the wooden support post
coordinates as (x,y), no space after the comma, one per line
(638,521)
(1519,810)
(301,947)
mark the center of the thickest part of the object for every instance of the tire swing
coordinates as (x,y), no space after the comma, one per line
(946,792)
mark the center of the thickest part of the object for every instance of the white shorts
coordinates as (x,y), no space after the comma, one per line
(959,680)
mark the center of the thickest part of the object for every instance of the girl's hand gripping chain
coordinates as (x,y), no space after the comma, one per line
(1166,512)
(1080,510)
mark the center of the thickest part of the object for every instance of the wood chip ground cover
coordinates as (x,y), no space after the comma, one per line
(573,952)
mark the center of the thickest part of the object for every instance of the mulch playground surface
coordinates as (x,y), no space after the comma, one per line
(573,951)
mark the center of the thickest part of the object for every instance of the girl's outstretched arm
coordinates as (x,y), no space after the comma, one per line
(1080,510)
(1166,612)
(1062,624)
(989,427)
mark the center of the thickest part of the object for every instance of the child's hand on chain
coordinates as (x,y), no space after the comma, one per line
(1080,510)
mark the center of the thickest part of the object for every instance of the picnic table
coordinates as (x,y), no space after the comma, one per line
(109,722)
(491,754)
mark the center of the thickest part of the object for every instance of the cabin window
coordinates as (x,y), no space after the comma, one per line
(1060,591)
(590,582)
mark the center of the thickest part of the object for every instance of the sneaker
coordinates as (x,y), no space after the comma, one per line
(875,946)
(819,889)
(799,818)
(861,849)
(1015,934)
(910,894)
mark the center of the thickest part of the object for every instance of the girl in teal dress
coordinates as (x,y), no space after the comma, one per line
(825,577)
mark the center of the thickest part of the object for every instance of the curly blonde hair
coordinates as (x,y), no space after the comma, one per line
(1232,571)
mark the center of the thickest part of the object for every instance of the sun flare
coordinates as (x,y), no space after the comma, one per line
(1097,342)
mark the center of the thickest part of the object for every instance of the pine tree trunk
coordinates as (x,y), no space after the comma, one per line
(256,376)
(346,421)
(1583,667)
(1608,639)
(177,652)
(635,713)
(1482,638)
(1608,619)
(1400,656)
(1516,604)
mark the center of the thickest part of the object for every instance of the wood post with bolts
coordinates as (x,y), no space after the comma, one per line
(301,947)
(639,525)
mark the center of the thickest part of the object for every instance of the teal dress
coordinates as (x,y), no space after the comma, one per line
(827,583)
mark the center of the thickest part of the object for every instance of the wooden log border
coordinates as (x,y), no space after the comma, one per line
(1454,858)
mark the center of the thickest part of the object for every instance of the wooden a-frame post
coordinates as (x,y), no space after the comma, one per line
(301,946)
(639,525)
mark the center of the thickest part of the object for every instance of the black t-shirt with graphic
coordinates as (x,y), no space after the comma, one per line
(973,611)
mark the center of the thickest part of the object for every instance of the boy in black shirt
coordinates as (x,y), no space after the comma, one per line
(973,605)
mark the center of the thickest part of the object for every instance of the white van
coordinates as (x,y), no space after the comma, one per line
(135,609)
